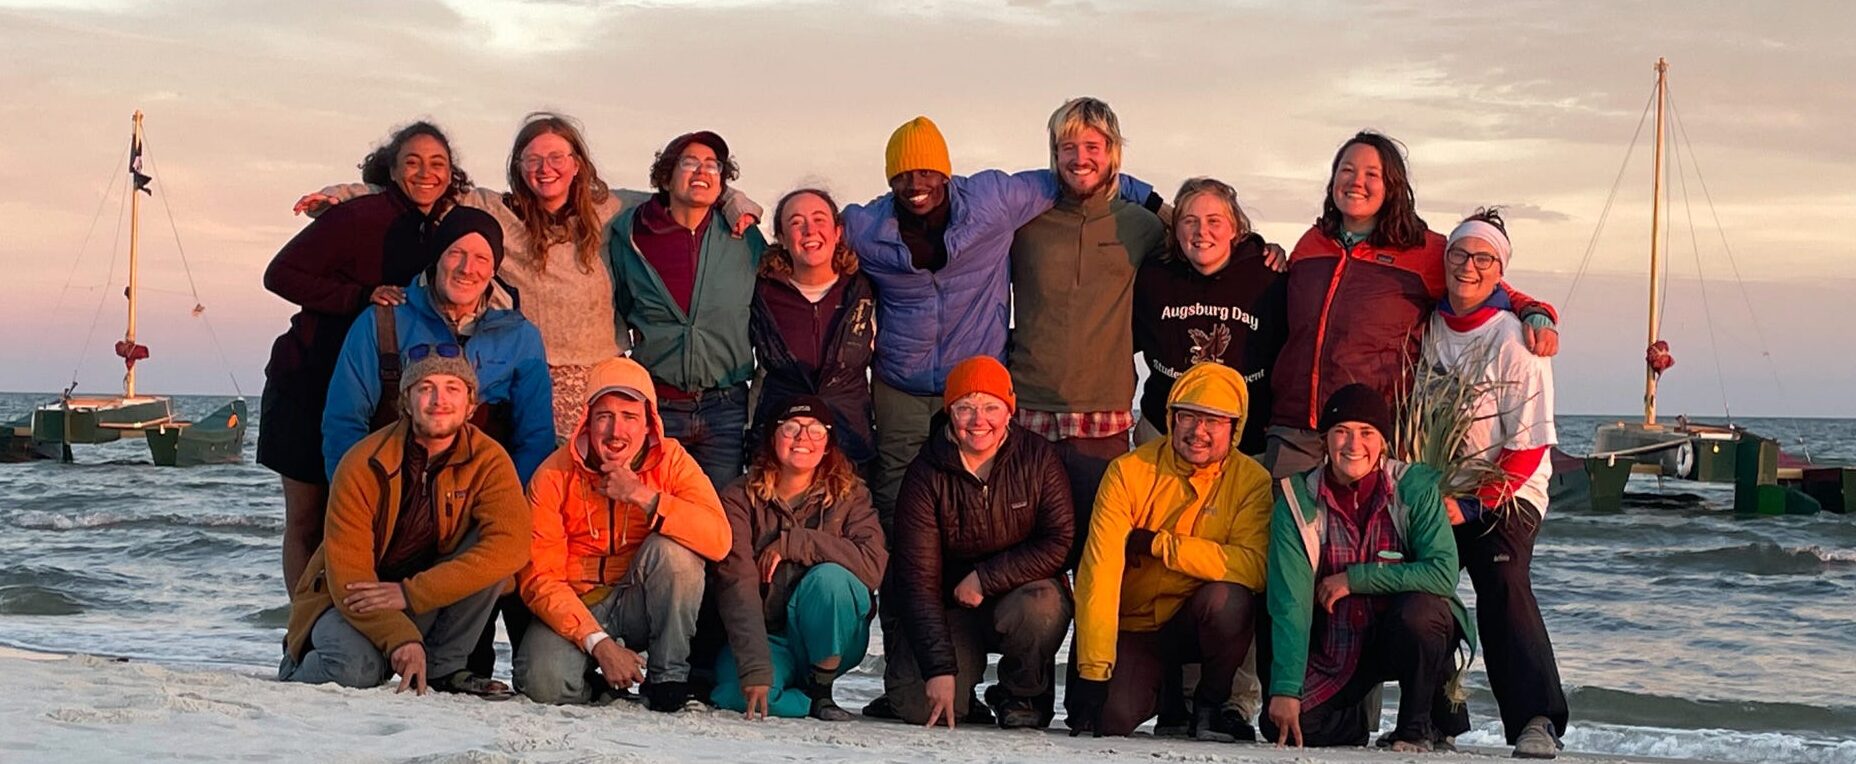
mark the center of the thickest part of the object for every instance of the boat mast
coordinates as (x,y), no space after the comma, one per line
(135,223)
(1656,215)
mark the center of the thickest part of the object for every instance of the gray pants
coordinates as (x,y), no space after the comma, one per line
(1025,626)
(654,608)
(340,653)
(1291,450)
(901,429)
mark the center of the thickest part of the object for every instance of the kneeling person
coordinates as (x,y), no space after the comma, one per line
(795,588)
(412,603)
(624,520)
(1174,566)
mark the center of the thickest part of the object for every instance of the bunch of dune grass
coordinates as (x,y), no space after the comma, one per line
(1435,418)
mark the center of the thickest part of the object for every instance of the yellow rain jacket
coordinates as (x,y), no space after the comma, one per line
(1209,524)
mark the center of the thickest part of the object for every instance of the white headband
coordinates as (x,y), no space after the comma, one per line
(1476,229)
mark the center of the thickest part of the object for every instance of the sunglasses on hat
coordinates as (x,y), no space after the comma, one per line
(443,349)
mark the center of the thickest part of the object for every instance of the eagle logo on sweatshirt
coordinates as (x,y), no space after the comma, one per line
(1210,346)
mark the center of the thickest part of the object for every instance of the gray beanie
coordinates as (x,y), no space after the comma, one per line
(456,366)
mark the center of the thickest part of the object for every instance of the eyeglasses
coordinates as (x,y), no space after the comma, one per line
(966,412)
(1483,260)
(443,349)
(792,428)
(558,160)
(705,166)
(1191,420)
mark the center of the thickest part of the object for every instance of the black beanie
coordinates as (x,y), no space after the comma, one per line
(1357,403)
(458,223)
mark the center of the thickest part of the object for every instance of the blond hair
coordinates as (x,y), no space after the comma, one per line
(1078,114)
(1217,189)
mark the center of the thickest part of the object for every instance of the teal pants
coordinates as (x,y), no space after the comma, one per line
(828,616)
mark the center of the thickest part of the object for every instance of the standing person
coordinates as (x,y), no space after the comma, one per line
(814,324)
(1213,297)
(335,267)
(981,531)
(684,285)
(1362,282)
(1073,269)
(1173,571)
(1474,331)
(796,588)
(554,219)
(624,520)
(1361,590)
(936,247)
(398,585)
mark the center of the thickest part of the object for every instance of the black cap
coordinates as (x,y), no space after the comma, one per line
(804,405)
(462,221)
(1357,403)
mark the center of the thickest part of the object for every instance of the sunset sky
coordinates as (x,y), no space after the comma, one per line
(1529,104)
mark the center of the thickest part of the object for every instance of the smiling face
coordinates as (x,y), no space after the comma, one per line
(439,406)
(548,168)
(423,170)
(1354,450)
(1358,186)
(1206,229)
(1201,438)
(616,428)
(1474,270)
(1082,161)
(464,270)
(919,191)
(979,422)
(808,231)
(800,443)
(696,179)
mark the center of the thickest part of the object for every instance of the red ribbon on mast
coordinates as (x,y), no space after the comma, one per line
(130,352)
(1658,357)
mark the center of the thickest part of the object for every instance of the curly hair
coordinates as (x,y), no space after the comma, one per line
(377,166)
(1397,225)
(1490,214)
(577,221)
(835,473)
(664,164)
(777,261)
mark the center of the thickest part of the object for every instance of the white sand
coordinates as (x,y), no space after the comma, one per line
(83,708)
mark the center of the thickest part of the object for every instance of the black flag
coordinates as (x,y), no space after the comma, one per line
(135,166)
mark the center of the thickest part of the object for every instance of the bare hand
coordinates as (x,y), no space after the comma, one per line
(1330,590)
(1454,510)
(372,596)
(940,692)
(1286,712)
(409,662)
(968,592)
(388,296)
(1275,258)
(742,224)
(768,562)
(756,695)
(314,203)
(623,484)
(622,668)
(1541,342)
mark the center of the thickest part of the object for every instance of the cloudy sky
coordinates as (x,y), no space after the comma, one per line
(1528,104)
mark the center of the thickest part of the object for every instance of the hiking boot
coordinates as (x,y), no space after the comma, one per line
(1019,713)
(1175,719)
(1233,721)
(1537,740)
(670,697)
(825,710)
(1207,720)
(880,708)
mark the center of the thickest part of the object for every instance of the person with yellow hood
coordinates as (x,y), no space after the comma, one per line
(624,519)
(1174,567)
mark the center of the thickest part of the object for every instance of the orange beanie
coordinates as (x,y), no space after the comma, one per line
(980,374)
(916,145)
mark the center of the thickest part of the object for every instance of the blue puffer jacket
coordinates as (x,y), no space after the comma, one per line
(927,321)
(504,348)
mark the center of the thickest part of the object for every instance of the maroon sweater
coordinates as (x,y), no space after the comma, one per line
(670,248)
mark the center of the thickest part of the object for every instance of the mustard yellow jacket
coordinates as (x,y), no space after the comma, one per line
(1209,524)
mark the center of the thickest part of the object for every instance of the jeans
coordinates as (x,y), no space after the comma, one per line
(901,429)
(827,617)
(340,653)
(712,427)
(1085,461)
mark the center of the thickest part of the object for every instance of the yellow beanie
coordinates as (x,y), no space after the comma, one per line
(916,145)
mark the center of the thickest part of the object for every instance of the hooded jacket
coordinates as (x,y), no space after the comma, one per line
(933,319)
(503,347)
(820,529)
(476,489)
(584,542)
(1209,524)
(842,379)
(1012,529)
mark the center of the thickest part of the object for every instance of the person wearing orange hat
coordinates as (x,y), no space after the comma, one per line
(982,528)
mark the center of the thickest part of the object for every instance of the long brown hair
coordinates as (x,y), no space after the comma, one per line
(1397,226)
(578,220)
(777,261)
(834,473)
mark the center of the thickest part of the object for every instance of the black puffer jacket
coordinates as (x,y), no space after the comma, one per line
(1013,529)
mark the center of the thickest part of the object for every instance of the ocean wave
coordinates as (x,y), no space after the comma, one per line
(37,600)
(1647,710)
(49,590)
(1760,558)
(107,518)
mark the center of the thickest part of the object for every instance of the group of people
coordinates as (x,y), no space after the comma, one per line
(680,458)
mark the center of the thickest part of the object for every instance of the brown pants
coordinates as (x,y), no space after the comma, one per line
(1213,628)
(1025,627)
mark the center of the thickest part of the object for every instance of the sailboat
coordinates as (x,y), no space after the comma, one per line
(52,428)
(1766,482)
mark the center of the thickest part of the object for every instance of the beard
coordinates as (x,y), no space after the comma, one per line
(437,426)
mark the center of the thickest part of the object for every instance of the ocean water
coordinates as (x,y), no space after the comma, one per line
(1680,629)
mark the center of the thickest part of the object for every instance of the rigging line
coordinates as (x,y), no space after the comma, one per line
(103,199)
(1758,333)
(1701,280)
(1591,247)
(102,295)
(1662,300)
(188,269)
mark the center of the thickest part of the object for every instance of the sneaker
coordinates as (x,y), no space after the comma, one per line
(825,710)
(670,697)
(1537,740)
(1233,721)
(1206,720)
(1019,713)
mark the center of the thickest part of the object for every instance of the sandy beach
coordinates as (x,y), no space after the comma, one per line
(86,708)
